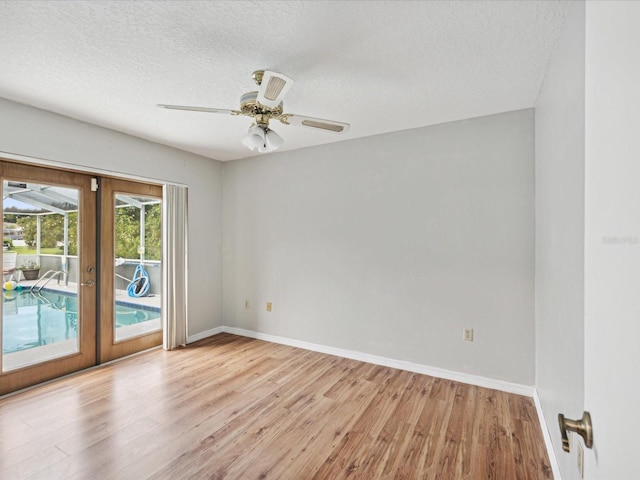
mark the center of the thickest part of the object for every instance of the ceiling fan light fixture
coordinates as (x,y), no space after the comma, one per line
(273,140)
(254,139)
(262,139)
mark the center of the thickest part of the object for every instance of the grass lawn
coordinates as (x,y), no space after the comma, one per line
(32,250)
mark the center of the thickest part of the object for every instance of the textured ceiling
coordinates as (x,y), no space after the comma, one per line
(381,66)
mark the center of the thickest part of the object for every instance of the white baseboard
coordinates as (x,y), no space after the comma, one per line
(555,468)
(377,360)
(205,334)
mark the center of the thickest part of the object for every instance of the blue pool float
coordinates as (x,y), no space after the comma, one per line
(139,285)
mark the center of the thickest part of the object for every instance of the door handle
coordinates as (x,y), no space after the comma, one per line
(88,283)
(582,427)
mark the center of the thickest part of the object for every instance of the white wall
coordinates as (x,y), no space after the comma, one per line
(612,270)
(560,235)
(36,133)
(390,245)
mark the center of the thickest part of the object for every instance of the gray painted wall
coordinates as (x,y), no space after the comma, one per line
(560,227)
(36,133)
(390,245)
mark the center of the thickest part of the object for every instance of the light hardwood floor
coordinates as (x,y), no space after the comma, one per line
(230,407)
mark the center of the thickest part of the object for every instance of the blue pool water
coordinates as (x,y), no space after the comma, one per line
(30,321)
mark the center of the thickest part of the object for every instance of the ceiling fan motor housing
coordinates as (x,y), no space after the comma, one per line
(250,106)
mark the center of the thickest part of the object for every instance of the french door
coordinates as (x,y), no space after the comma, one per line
(48,323)
(73,298)
(130,266)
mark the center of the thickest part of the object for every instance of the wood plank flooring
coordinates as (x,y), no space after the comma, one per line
(230,407)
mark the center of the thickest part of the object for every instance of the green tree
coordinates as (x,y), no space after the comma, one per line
(153,232)
(73,233)
(127,221)
(128,232)
(51,231)
(29,229)
(127,224)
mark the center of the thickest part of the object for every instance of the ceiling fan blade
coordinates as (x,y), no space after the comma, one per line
(301,121)
(273,88)
(200,109)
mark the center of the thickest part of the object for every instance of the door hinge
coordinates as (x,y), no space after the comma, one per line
(94,184)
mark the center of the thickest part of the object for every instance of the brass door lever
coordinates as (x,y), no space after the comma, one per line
(582,427)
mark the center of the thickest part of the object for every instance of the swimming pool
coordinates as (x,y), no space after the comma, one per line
(30,321)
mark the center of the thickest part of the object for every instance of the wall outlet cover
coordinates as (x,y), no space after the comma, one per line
(467,334)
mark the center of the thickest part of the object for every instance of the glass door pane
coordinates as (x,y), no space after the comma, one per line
(131,273)
(40,270)
(138,266)
(46,315)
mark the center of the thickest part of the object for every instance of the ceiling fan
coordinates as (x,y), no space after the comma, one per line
(265,105)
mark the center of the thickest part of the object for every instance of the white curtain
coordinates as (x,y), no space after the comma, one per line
(174,265)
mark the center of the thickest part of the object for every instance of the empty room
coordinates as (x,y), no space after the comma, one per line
(319,239)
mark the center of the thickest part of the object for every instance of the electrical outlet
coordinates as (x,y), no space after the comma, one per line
(268,306)
(580,460)
(467,334)
(246,304)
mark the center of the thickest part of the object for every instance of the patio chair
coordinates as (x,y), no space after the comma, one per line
(9,264)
